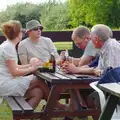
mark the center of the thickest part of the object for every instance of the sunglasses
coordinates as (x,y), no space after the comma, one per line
(38,28)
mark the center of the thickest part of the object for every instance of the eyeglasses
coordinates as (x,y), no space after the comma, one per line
(82,41)
(38,28)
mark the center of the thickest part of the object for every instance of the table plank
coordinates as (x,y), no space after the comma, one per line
(112,88)
(67,75)
(61,76)
(46,76)
(65,78)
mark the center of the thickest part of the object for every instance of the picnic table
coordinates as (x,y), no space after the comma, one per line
(65,82)
(113,89)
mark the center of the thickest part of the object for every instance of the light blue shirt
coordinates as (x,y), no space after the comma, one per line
(90,50)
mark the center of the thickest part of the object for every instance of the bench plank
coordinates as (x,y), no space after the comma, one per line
(13,105)
(23,104)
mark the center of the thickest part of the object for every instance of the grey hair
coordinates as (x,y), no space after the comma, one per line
(81,31)
(102,31)
(111,34)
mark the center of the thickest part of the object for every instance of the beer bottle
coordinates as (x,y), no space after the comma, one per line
(52,62)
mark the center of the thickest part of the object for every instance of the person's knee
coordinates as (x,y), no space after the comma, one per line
(38,91)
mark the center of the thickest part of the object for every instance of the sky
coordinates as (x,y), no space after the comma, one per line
(6,3)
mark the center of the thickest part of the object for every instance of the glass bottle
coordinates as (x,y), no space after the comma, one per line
(52,62)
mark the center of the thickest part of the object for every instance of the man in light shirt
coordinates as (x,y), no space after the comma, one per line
(109,49)
(35,45)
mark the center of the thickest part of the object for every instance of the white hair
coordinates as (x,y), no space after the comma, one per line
(102,31)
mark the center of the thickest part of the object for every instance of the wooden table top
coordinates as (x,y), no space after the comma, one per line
(60,77)
(112,88)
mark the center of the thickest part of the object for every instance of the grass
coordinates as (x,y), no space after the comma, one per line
(64,45)
(5,112)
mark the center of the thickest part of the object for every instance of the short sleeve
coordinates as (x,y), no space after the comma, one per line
(22,49)
(94,63)
(52,48)
(90,50)
(9,52)
(112,59)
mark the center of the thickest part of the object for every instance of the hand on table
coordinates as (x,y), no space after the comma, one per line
(97,72)
(35,61)
(70,68)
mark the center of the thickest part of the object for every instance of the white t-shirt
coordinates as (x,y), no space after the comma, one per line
(41,50)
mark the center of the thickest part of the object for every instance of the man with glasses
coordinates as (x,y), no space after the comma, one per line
(81,38)
(35,45)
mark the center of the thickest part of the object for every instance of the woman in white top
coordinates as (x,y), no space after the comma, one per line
(12,79)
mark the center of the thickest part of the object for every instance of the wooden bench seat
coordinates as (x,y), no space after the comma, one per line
(20,108)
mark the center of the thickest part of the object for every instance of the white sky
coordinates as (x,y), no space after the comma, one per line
(5,3)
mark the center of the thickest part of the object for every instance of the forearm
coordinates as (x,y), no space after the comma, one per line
(85,70)
(22,72)
(23,66)
(75,61)
(85,60)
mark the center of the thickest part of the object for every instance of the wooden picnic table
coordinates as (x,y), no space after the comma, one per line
(113,89)
(62,82)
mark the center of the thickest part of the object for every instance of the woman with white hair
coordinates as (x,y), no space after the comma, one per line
(109,49)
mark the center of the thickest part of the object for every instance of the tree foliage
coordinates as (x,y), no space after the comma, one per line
(90,12)
(54,16)
(26,12)
(21,12)
(70,14)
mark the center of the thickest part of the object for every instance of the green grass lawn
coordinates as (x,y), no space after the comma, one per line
(64,45)
(5,112)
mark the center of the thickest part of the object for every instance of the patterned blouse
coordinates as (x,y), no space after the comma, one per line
(109,54)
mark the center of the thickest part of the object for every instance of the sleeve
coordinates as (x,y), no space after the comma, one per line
(109,58)
(9,53)
(94,63)
(52,48)
(22,53)
(100,64)
(22,49)
(112,59)
(90,50)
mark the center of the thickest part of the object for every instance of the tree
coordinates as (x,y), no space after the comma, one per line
(54,16)
(27,12)
(21,12)
(90,12)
